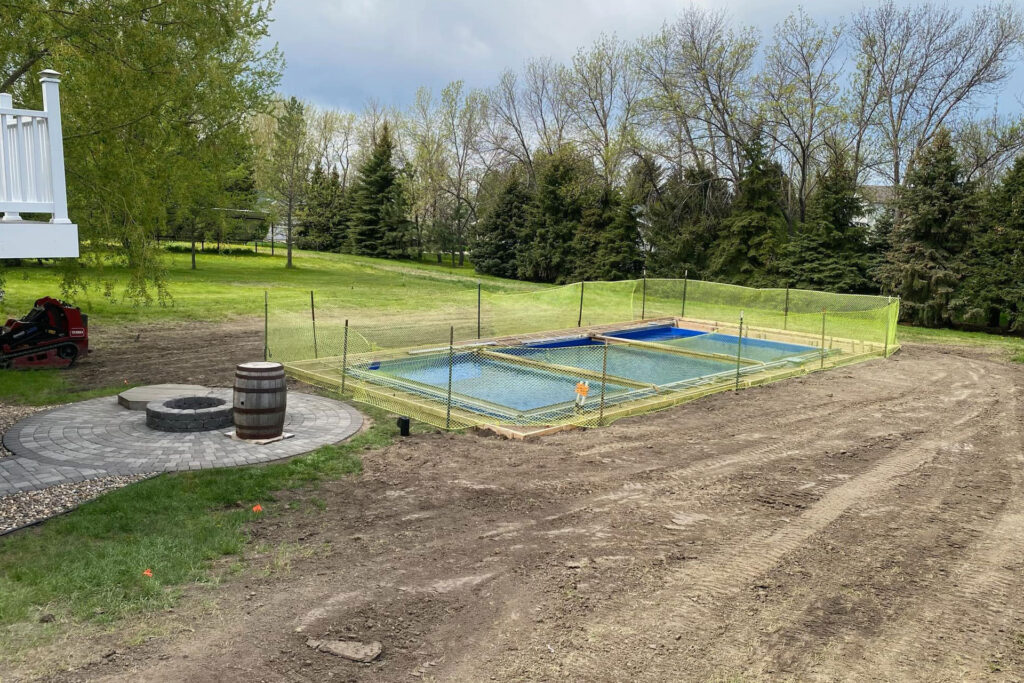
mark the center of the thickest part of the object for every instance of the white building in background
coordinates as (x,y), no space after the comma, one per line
(877,198)
(32,178)
(278,233)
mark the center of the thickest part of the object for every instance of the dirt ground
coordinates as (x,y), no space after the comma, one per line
(865,523)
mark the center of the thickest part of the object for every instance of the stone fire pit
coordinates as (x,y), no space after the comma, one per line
(189,414)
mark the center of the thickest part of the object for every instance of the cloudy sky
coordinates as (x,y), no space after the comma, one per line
(340,53)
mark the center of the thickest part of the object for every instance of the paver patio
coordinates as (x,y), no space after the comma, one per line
(98,437)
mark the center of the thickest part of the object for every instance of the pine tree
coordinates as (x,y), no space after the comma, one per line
(746,251)
(565,183)
(830,252)
(376,214)
(323,213)
(592,237)
(502,221)
(935,211)
(992,290)
(682,221)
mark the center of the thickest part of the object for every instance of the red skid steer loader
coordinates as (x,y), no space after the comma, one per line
(53,335)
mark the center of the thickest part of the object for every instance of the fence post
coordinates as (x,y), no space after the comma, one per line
(579,321)
(785,310)
(478,285)
(643,301)
(888,317)
(50,80)
(686,279)
(823,339)
(266,325)
(604,382)
(451,366)
(739,353)
(344,357)
(312,313)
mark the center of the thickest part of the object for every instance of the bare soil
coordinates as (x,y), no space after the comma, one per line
(179,353)
(864,523)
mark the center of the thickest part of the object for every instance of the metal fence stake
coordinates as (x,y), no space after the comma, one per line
(785,310)
(604,381)
(823,339)
(643,301)
(266,325)
(739,353)
(579,321)
(478,285)
(451,365)
(888,317)
(686,278)
(344,357)
(312,312)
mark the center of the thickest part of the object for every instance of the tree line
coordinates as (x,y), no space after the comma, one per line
(702,149)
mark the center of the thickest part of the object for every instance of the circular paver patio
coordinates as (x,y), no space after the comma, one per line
(98,437)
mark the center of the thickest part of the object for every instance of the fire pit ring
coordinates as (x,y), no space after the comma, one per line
(189,414)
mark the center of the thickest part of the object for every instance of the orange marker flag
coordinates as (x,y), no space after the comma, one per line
(148,572)
(257,508)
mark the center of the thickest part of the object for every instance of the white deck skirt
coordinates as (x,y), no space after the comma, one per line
(38,240)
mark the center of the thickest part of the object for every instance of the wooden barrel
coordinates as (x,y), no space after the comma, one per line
(260,400)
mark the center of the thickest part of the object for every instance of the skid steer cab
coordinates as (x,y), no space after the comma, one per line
(54,334)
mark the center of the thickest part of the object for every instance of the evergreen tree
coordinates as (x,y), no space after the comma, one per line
(935,210)
(502,221)
(747,249)
(681,222)
(565,182)
(376,214)
(323,214)
(831,252)
(992,291)
(592,236)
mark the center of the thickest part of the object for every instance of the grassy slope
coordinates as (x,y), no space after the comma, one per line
(227,286)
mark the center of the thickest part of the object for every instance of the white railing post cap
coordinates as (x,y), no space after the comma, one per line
(49,76)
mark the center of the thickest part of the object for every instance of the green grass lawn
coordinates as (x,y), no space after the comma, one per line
(45,387)
(1012,346)
(230,286)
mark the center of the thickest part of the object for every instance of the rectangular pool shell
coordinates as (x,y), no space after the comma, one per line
(527,382)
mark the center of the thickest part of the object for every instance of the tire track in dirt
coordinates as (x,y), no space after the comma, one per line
(977,618)
(691,598)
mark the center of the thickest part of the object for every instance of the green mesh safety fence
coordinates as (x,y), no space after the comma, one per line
(578,354)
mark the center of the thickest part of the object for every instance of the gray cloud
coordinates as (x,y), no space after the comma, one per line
(342,52)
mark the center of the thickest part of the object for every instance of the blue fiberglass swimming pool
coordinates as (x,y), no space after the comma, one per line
(480,379)
(760,350)
(540,379)
(648,366)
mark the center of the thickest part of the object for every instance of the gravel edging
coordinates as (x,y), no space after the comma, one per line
(9,415)
(18,510)
(25,508)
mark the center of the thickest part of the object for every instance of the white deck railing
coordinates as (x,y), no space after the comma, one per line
(32,176)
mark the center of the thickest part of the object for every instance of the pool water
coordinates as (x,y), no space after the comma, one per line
(482,378)
(640,365)
(761,350)
(541,378)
